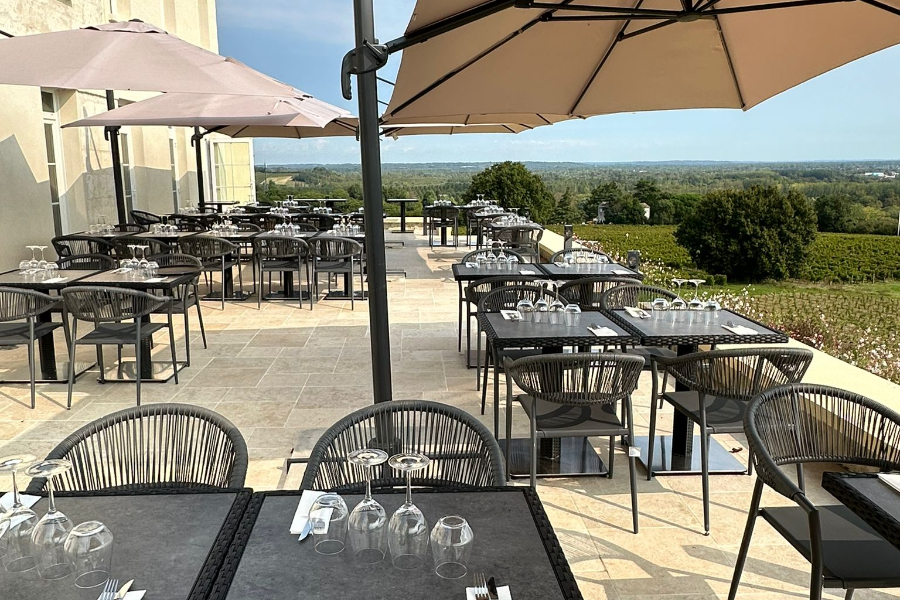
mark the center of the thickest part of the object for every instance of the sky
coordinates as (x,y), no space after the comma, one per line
(850,113)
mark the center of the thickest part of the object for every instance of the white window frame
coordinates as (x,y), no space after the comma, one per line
(52,119)
(173,165)
(125,144)
(211,153)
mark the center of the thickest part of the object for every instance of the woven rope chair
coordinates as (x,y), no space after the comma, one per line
(719,384)
(576,395)
(72,245)
(215,253)
(281,254)
(192,222)
(587,291)
(337,256)
(142,217)
(523,238)
(186,296)
(87,262)
(620,296)
(106,308)
(474,254)
(441,217)
(25,305)
(154,247)
(478,220)
(265,221)
(560,255)
(463,453)
(505,298)
(160,446)
(130,227)
(801,423)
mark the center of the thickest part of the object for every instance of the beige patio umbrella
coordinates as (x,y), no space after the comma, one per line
(478,60)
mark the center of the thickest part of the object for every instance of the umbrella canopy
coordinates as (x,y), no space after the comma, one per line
(395,131)
(130,55)
(551,60)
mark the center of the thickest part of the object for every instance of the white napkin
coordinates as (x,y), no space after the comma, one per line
(561,264)
(300,524)
(29,501)
(622,272)
(472,265)
(740,330)
(891,479)
(502,593)
(135,595)
(528,272)
(637,313)
(56,280)
(602,331)
(511,315)
(154,280)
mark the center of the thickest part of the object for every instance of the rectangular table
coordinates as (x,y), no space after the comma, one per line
(514,542)
(51,371)
(579,271)
(402,202)
(172,544)
(679,454)
(562,456)
(463,273)
(874,501)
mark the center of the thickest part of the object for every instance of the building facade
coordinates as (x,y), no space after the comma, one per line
(56,180)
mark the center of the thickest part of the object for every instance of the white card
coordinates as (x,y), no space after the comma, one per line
(622,272)
(29,501)
(472,265)
(891,479)
(511,315)
(602,331)
(502,593)
(740,330)
(135,595)
(155,280)
(301,517)
(528,272)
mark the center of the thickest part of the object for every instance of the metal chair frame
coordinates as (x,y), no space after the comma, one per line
(441,217)
(214,253)
(525,239)
(336,250)
(76,244)
(188,294)
(288,253)
(99,262)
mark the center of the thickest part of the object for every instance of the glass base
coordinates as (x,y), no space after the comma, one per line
(369,556)
(329,547)
(451,570)
(91,579)
(55,571)
(20,565)
(408,562)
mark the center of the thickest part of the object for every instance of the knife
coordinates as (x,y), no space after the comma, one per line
(492,589)
(123,590)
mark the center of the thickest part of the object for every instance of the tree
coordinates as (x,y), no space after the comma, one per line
(834,211)
(750,235)
(647,192)
(513,186)
(566,213)
(683,205)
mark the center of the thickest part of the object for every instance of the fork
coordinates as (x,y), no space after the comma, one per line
(109,590)
(480,584)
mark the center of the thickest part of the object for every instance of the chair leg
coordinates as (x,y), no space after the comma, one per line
(468,336)
(704,463)
(801,481)
(187,339)
(31,363)
(172,346)
(487,362)
(745,542)
(534,444)
(223,282)
(477,355)
(496,396)
(651,442)
(632,463)
(612,457)
(849,594)
(71,365)
(459,313)
(509,402)
(137,363)
(352,295)
(309,288)
(200,315)
(260,294)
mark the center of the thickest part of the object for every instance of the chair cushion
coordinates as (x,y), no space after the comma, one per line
(179,305)
(723,415)
(334,266)
(562,420)
(280,265)
(17,333)
(854,554)
(119,333)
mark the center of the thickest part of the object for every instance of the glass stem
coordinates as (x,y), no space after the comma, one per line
(368,482)
(15,490)
(51,497)
(409,487)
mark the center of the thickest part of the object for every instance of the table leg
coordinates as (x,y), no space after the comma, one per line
(47,351)
(146,366)
(403,217)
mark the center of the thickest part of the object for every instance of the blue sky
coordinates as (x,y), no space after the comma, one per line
(849,113)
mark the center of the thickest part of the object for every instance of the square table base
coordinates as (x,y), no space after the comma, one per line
(162,372)
(721,461)
(20,374)
(560,457)
(235,297)
(296,295)
(342,295)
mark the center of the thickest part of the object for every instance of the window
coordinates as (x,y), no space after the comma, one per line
(173,165)
(127,170)
(233,171)
(54,158)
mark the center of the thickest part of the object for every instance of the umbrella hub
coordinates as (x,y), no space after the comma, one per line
(689,17)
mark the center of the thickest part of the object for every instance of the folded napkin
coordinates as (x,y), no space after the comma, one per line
(56,280)
(740,329)
(622,272)
(891,479)
(300,524)
(472,265)
(511,315)
(637,313)
(602,331)
(155,280)
(134,595)
(528,272)
(561,264)
(7,500)
(502,593)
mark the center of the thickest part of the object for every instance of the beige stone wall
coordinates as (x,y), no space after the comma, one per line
(25,212)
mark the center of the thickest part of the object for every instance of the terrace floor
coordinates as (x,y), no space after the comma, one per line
(283,374)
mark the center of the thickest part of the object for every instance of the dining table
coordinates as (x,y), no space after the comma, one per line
(568,272)
(557,457)
(172,543)
(513,542)
(403,202)
(870,498)
(51,370)
(679,454)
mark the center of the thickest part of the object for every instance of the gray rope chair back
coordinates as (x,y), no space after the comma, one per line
(463,453)
(473,256)
(87,262)
(122,242)
(109,304)
(247,227)
(577,379)
(192,222)
(160,446)
(173,262)
(506,298)
(130,227)
(18,305)
(521,236)
(739,374)
(477,290)
(815,423)
(71,245)
(266,222)
(279,247)
(334,248)
(142,217)
(620,296)
(206,247)
(441,213)
(588,291)
(560,255)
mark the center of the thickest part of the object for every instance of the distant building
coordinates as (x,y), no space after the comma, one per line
(646,208)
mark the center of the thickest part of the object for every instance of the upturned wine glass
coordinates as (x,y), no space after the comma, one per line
(49,535)
(368,520)
(21,520)
(408,537)
(33,263)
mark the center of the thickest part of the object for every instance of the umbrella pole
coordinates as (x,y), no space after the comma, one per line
(112,134)
(198,153)
(370,152)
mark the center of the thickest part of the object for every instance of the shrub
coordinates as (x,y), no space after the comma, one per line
(750,235)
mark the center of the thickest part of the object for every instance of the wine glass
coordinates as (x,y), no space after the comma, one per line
(556,310)
(660,308)
(541,307)
(526,309)
(328,519)
(21,520)
(368,521)
(571,313)
(42,264)
(89,547)
(451,545)
(33,263)
(49,535)
(712,310)
(408,537)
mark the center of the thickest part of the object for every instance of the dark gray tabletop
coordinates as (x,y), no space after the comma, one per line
(171,544)
(513,542)
(175,235)
(113,278)
(694,328)
(28,282)
(401,200)
(463,273)
(874,501)
(518,334)
(588,270)
(107,236)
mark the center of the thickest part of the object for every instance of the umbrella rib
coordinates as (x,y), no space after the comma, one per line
(648,29)
(544,119)
(883,6)
(440,81)
(771,6)
(593,77)
(737,84)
